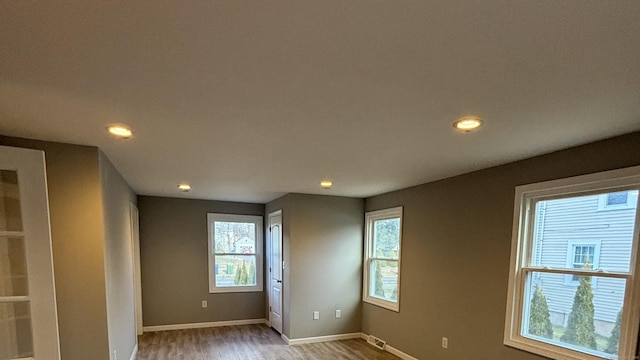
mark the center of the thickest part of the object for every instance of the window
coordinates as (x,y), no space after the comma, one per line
(383,235)
(582,254)
(562,244)
(235,253)
(618,200)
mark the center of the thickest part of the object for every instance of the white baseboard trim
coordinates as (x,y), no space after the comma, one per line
(133,354)
(202,325)
(392,350)
(399,353)
(318,339)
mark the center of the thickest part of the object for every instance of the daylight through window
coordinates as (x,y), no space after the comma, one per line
(572,289)
(235,253)
(383,234)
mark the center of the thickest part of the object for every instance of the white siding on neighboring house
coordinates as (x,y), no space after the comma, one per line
(562,223)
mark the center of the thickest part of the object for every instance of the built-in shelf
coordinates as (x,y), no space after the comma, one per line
(11,234)
(13,299)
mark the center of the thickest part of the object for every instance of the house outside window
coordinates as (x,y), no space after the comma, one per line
(383,238)
(235,253)
(582,254)
(618,200)
(563,246)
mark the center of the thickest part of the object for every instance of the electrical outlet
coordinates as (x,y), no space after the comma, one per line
(316,315)
(338,314)
(204,304)
(445,343)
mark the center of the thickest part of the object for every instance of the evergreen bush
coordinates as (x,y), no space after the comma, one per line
(379,291)
(243,274)
(251,276)
(539,318)
(236,276)
(580,329)
(614,339)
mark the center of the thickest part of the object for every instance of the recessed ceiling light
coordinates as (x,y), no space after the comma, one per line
(468,123)
(184,187)
(120,131)
(326,184)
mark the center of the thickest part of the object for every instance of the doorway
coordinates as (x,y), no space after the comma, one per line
(275,270)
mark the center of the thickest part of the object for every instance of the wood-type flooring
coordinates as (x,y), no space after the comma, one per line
(247,342)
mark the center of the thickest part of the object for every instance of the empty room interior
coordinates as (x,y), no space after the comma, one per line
(426,180)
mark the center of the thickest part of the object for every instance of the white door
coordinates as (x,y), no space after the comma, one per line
(275,270)
(28,319)
(137,282)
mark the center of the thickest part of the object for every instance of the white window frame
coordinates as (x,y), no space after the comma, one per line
(521,264)
(259,224)
(370,218)
(632,201)
(595,262)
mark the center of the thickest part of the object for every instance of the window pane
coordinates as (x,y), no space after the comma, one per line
(10,218)
(584,256)
(572,232)
(384,279)
(617,198)
(581,318)
(16,340)
(235,237)
(235,270)
(13,267)
(386,238)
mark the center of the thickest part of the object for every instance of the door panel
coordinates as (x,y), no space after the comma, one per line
(275,270)
(28,320)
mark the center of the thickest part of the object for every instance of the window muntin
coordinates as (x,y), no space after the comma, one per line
(383,235)
(557,226)
(235,248)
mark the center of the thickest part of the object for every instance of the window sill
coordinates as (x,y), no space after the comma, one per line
(393,306)
(235,290)
(549,350)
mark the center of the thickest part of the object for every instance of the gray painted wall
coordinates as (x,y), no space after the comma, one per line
(456,248)
(323,250)
(174,263)
(77,228)
(117,197)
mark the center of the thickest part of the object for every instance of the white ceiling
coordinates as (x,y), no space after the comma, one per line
(248,100)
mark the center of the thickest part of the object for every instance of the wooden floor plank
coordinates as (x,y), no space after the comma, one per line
(247,342)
